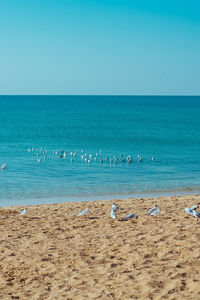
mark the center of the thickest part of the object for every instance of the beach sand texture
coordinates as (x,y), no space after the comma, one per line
(51,253)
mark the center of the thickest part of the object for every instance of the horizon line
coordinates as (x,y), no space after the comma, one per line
(107,95)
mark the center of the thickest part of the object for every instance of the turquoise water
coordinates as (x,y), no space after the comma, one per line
(166,128)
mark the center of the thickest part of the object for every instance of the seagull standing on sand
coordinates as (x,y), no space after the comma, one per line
(24,211)
(151,210)
(113,209)
(189,210)
(155,212)
(196,213)
(84,212)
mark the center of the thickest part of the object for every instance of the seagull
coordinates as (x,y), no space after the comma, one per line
(4,166)
(196,213)
(151,210)
(24,211)
(189,210)
(115,207)
(113,214)
(155,212)
(131,216)
(84,212)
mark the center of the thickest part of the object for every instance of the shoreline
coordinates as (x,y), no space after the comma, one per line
(92,198)
(51,253)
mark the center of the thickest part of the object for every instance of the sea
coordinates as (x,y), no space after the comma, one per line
(76,148)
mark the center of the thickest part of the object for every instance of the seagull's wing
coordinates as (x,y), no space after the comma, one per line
(84,212)
(188,210)
(131,216)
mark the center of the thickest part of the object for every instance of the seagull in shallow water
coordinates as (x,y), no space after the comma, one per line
(24,211)
(131,216)
(151,210)
(155,212)
(4,166)
(84,212)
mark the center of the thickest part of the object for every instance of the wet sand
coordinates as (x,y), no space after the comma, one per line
(51,253)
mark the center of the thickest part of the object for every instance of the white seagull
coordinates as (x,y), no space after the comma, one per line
(196,213)
(189,210)
(84,212)
(131,216)
(151,210)
(4,166)
(24,211)
(155,212)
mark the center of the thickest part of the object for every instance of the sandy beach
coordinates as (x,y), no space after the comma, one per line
(51,253)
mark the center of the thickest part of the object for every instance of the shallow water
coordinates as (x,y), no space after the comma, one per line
(166,128)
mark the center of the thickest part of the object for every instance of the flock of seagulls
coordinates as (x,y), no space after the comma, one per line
(154,211)
(88,158)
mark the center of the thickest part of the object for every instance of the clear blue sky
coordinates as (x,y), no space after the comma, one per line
(100,47)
